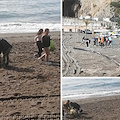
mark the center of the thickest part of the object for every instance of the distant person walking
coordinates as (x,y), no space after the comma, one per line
(106,41)
(87,41)
(110,40)
(99,39)
(38,41)
(95,41)
(5,48)
(46,44)
(102,42)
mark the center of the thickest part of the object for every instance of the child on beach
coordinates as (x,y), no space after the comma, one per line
(38,42)
(5,48)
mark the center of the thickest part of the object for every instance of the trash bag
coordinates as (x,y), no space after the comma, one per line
(52,46)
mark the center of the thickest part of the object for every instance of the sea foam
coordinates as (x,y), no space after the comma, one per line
(24,27)
(79,88)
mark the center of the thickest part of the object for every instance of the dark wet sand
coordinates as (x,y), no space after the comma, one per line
(101,108)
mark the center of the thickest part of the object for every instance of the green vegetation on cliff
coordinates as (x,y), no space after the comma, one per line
(115,8)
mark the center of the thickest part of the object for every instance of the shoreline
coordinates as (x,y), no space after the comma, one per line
(26,33)
(93,98)
(26,37)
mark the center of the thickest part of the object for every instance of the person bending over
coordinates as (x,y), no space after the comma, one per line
(5,48)
(72,105)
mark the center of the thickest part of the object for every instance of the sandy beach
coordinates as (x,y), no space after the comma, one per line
(102,108)
(80,61)
(30,88)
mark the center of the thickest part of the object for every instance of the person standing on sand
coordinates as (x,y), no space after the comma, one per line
(99,39)
(46,44)
(87,41)
(106,43)
(95,39)
(110,40)
(5,48)
(38,41)
(102,40)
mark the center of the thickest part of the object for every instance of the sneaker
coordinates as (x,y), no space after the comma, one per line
(48,63)
(39,58)
(36,55)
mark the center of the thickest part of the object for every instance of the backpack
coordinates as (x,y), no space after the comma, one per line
(52,45)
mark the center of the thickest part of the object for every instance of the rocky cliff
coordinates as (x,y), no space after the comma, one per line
(96,8)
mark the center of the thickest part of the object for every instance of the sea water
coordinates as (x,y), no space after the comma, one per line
(29,15)
(80,88)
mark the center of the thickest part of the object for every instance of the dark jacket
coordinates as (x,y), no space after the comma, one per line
(4,45)
(75,105)
(46,41)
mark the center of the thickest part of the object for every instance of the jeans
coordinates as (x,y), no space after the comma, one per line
(39,44)
(6,57)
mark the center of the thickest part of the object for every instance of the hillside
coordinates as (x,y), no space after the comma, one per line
(94,8)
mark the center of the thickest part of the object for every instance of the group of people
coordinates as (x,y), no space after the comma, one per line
(103,41)
(71,108)
(42,41)
(100,41)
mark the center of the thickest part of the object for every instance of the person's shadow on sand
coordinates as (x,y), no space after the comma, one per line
(9,67)
(54,63)
(82,115)
(85,116)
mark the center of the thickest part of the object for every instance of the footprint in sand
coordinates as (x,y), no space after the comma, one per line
(11,76)
(15,113)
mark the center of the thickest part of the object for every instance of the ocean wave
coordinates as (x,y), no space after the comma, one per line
(20,27)
(30,11)
(90,94)
(83,88)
